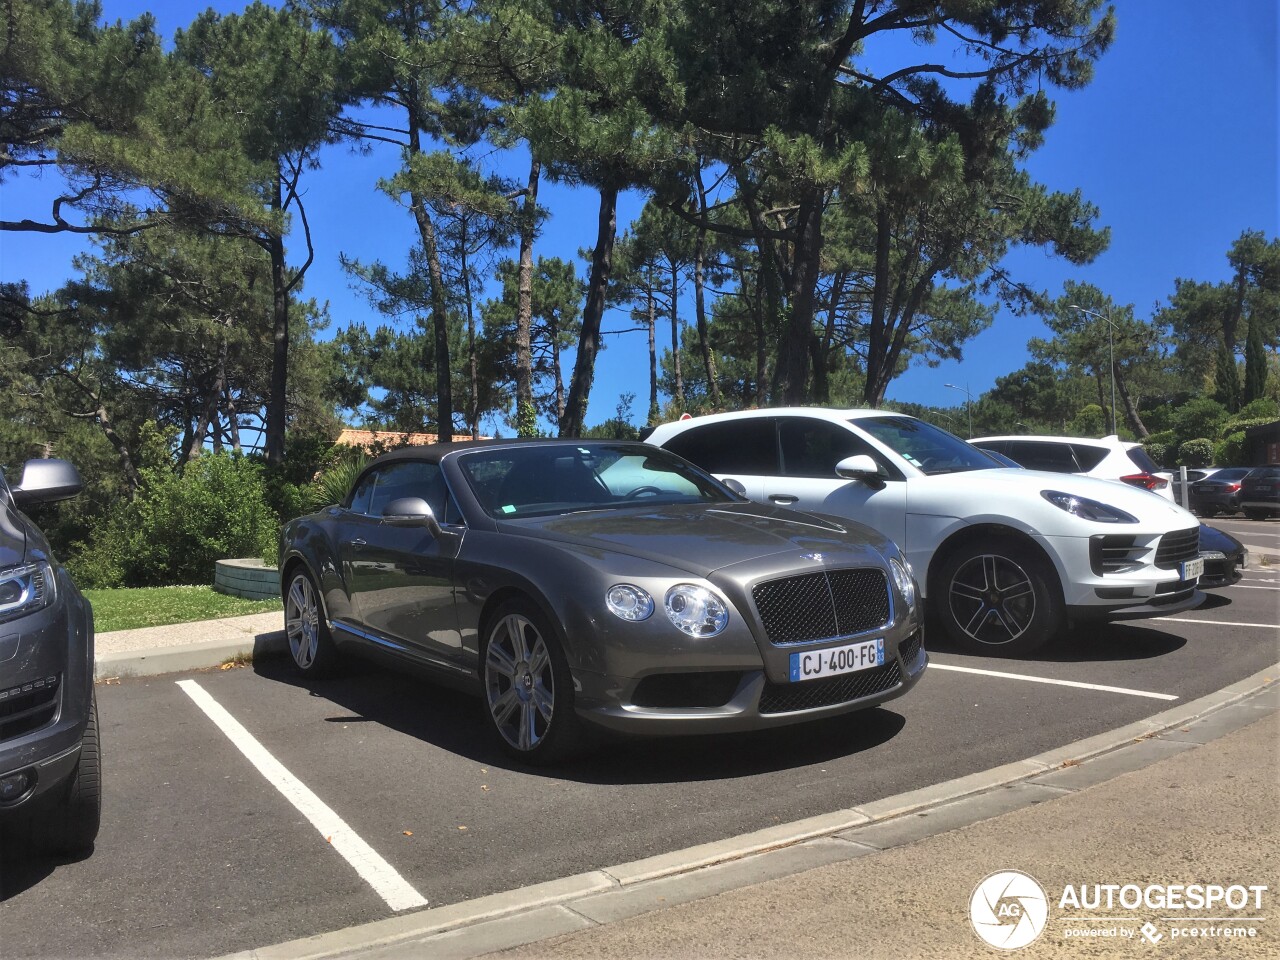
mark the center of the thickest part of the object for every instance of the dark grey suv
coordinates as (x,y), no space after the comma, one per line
(50,779)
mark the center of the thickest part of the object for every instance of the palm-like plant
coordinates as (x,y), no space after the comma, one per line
(332,483)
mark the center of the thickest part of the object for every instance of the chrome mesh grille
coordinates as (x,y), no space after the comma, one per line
(790,697)
(820,606)
(910,649)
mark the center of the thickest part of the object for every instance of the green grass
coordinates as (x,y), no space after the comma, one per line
(156,606)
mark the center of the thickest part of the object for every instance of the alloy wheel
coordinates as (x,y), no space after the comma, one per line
(302,621)
(993,599)
(519,683)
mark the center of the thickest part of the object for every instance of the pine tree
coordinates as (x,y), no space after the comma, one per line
(1255,363)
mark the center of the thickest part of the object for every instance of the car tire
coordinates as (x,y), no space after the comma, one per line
(311,645)
(1256,514)
(70,826)
(997,597)
(1207,512)
(527,686)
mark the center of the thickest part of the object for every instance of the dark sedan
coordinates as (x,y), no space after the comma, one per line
(1218,493)
(579,584)
(1260,492)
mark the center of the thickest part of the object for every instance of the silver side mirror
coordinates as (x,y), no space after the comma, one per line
(44,481)
(411,512)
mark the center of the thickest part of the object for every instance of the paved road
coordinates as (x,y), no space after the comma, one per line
(200,855)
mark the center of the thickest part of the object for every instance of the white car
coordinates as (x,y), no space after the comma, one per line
(1107,459)
(1005,556)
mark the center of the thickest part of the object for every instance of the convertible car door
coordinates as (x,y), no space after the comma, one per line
(402,577)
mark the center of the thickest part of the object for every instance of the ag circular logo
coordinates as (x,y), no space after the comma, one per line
(1008,910)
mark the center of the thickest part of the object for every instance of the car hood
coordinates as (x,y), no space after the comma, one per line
(13,538)
(1211,538)
(702,539)
(1001,487)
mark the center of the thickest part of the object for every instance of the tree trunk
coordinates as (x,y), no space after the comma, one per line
(699,301)
(1131,414)
(524,300)
(653,352)
(876,333)
(473,399)
(554,327)
(675,335)
(276,409)
(575,413)
(793,360)
(439,322)
(822,345)
(233,417)
(763,299)
(435,278)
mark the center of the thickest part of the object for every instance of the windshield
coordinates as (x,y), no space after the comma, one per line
(926,447)
(541,481)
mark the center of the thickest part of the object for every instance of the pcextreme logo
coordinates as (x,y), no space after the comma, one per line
(1009,909)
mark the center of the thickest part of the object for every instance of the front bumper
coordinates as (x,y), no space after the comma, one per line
(1185,600)
(756,703)
(43,731)
(1141,590)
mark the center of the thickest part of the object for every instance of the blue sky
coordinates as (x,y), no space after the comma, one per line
(1177,142)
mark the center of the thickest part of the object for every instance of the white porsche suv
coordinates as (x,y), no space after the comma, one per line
(1006,557)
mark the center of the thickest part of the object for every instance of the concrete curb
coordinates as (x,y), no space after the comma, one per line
(504,920)
(191,656)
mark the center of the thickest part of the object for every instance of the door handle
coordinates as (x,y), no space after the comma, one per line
(783,498)
(357,543)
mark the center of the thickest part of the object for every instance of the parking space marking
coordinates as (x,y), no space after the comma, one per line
(1222,623)
(1246,586)
(374,870)
(934,665)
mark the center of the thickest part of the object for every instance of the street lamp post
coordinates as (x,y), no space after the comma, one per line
(1111,357)
(968,403)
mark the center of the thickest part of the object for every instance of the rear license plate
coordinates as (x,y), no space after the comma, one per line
(1193,568)
(836,660)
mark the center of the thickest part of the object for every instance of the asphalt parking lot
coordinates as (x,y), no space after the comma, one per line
(321,805)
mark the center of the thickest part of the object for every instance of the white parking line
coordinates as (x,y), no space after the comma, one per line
(375,871)
(1222,623)
(1249,586)
(934,665)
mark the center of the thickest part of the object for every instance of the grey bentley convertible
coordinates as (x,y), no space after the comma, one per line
(579,582)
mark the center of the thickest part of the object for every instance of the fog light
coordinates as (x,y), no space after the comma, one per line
(16,785)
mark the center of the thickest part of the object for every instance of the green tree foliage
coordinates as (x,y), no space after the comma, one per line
(180,524)
(1255,363)
(135,133)
(555,298)
(278,79)
(812,130)
(1195,453)
(1085,342)
(1207,319)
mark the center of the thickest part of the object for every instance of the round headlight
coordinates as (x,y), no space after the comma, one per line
(629,602)
(696,610)
(902,576)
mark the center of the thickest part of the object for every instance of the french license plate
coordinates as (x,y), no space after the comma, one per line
(1192,568)
(812,664)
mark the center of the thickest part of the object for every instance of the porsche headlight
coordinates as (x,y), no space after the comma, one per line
(629,602)
(25,589)
(902,576)
(1087,509)
(696,610)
